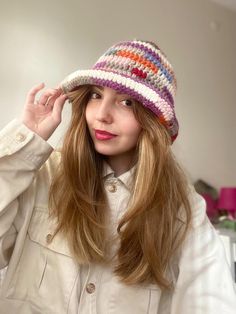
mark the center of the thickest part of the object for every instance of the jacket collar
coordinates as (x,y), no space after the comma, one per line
(125,178)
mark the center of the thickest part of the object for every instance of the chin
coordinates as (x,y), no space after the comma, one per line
(106,152)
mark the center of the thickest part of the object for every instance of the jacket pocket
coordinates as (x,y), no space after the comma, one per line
(46,273)
(41,230)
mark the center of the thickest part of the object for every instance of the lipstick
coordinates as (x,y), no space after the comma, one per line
(103,135)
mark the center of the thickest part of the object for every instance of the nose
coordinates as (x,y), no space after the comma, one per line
(104,111)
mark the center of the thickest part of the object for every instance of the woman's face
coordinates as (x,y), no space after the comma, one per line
(112,124)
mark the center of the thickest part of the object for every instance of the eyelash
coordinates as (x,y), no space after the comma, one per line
(98,96)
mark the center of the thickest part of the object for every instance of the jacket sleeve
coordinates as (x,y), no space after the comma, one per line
(204,283)
(22,152)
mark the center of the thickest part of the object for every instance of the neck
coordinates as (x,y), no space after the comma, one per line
(120,164)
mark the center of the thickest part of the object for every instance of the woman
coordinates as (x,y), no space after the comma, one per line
(110,223)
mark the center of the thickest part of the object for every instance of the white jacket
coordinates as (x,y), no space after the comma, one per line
(42,276)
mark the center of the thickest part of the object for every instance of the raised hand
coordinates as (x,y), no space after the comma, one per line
(44,115)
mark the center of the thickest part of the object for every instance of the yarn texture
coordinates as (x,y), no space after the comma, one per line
(137,68)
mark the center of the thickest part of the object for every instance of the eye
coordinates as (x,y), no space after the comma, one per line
(127,102)
(94,95)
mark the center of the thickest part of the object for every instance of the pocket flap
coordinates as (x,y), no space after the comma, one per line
(41,230)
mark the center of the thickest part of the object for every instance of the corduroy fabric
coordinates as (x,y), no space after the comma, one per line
(140,69)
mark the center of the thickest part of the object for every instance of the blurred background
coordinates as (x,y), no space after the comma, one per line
(43,41)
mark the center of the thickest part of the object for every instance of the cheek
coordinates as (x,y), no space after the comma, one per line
(132,129)
(135,134)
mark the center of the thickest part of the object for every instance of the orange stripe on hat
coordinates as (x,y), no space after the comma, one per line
(137,58)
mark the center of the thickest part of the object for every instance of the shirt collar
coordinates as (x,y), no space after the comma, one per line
(125,178)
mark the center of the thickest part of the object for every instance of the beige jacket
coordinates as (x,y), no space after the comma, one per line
(42,276)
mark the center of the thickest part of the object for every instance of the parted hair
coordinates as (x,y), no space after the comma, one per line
(158,214)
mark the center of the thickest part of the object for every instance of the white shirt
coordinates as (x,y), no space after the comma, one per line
(42,276)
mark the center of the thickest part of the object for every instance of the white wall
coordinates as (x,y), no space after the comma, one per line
(46,40)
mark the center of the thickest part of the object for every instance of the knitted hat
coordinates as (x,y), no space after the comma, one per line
(139,69)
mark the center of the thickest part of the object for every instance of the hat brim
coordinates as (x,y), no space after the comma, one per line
(150,98)
(122,84)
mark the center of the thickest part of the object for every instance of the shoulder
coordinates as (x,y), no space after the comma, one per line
(198,207)
(200,226)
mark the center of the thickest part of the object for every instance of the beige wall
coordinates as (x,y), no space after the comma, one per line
(46,40)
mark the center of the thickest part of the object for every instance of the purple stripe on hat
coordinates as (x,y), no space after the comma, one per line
(99,65)
(167,95)
(163,94)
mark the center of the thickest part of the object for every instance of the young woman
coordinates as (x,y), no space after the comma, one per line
(109,223)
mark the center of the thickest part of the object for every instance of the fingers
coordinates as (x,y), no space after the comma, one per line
(30,98)
(58,106)
(52,99)
(48,97)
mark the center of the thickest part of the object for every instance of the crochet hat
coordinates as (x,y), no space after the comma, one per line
(137,68)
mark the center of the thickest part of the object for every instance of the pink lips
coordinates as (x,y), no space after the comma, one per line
(103,135)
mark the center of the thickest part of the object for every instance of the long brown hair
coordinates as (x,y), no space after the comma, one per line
(158,213)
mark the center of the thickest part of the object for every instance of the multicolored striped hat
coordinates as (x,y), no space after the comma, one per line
(137,68)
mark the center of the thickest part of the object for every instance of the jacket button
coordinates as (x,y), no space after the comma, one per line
(20,137)
(49,238)
(90,287)
(112,188)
